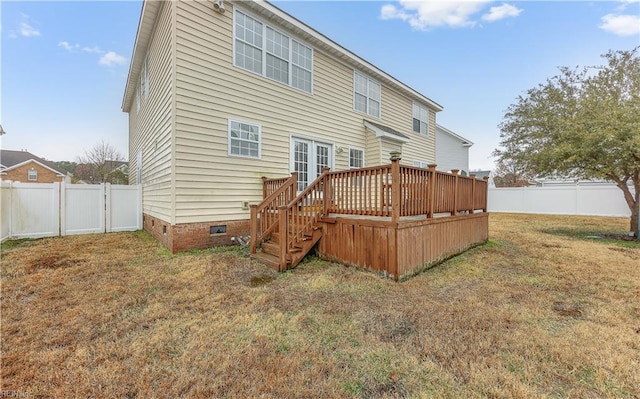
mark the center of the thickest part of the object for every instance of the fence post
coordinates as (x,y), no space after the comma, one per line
(395,189)
(63,209)
(455,192)
(326,194)
(107,207)
(473,193)
(432,189)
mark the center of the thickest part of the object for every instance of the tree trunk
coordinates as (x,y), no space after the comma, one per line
(633,201)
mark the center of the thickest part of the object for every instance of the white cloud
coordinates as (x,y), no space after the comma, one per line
(68,46)
(621,25)
(499,12)
(27,30)
(423,15)
(112,58)
(94,50)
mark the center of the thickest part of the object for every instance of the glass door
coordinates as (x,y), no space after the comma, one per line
(309,157)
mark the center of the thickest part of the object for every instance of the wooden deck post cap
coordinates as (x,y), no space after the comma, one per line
(432,166)
(455,171)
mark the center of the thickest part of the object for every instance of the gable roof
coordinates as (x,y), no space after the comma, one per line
(385,131)
(10,159)
(150,11)
(465,142)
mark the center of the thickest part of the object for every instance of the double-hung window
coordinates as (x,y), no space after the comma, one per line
(266,51)
(356,158)
(366,95)
(420,119)
(32,175)
(244,139)
(420,164)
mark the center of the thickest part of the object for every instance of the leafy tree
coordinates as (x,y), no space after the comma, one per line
(581,123)
(67,166)
(101,164)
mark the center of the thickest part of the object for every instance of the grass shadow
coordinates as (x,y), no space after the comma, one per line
(605,237)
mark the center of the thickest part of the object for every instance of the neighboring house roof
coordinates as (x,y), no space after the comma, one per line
(385,131)
(465,142)
(10,159)
(480,174)
(150,12)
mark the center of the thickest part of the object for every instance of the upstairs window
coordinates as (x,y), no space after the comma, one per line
(32,175)
(268,52)
(144,79)
(244,139)
(366,95)
(420,119)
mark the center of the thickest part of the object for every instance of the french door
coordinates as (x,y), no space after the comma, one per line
(308,157)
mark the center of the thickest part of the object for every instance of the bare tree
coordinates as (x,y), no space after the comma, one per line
(101,164)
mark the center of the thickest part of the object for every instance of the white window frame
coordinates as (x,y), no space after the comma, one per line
(421,164)
(33,177)
(229,139)
(137,99)
(291,61)
(356,149)
(420,109)
(368,96)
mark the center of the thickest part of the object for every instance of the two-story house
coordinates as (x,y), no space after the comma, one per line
(24,167)
(220,94)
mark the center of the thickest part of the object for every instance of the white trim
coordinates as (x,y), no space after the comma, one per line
(230,121)
(381,133)
(263,50)
(369,81)
(363,156)
(420,109)
(465,142)
(313,141)
(421,164)
(29,172)
(34,161)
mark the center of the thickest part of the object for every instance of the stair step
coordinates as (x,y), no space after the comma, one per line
(271,247)
(267,259)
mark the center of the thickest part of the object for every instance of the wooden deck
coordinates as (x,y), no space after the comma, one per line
(391,219)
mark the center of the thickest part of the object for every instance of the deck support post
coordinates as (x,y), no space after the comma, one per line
(253,229)
(326,192)
(291,193)
(264,187)
(284,237)
(432,189)
(486,193)
(455,192)
(473,193)
(395,189)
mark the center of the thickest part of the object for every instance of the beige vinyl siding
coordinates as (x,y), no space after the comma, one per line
(151,125)
(210,185)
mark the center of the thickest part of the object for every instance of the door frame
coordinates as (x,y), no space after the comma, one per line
(312,153)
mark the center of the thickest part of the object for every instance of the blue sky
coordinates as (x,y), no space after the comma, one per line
(64,64)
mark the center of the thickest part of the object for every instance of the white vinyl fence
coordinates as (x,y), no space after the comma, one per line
(32,210)
(563,200)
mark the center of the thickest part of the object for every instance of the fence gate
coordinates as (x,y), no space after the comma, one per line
(32,210)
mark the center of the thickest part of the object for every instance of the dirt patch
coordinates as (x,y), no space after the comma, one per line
(574,310)
(51,262)
(259,281)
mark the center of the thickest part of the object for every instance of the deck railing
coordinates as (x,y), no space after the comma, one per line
(372,191)
(391,190)
(264,217)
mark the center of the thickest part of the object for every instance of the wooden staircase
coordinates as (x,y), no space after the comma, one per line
(287,228)
(269,253)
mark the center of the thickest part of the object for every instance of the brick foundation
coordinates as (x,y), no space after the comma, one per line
(182,237)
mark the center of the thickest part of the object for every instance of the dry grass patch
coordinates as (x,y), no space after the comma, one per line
(539,311)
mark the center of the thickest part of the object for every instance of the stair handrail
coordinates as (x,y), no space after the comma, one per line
(289,236)
(273,201)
